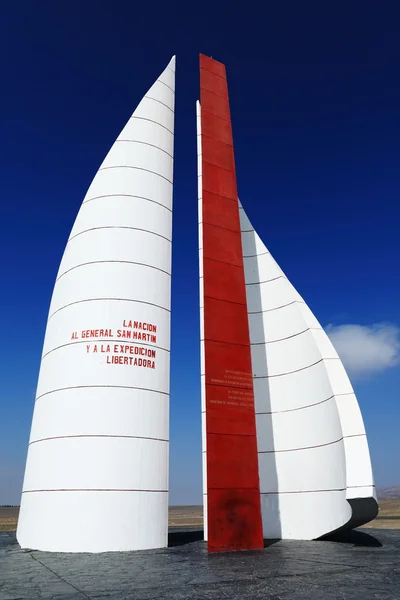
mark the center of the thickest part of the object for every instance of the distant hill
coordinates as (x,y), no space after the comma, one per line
(389,492)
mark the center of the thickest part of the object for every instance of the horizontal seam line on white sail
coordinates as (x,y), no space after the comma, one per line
(88,435)
(258,312)
(103,340)
(300,449)
(80,387)
(286,338)
(152,121)
(120,227)
(136,169)
(267,280)
(166,85)
(295,371)
(275,412)
(303,491)
(101,262)
(255,255)
(360,486)
(93,490)
(144,144)
(127,196)
(159,102)
(106,300)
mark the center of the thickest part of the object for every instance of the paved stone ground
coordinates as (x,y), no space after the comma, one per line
(362,565)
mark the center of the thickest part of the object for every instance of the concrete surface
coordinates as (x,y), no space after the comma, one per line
(364,564)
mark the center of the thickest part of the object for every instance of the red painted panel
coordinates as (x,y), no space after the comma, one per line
(212,65)
(224,283)
(219,181)
(213,83)
(228,365)
(216,128)
(236,402)
(226,321)
(216,105)
(222,244)
(234,523)
(219,211)
(219,154)
(242,473)
(234,511)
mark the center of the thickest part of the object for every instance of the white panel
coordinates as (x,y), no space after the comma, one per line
(150,132)
(304,516)
(103,320)
(112,280)
(324,344)
(145,413)
(138,155)
(123,211)
(338,377)
(100,464)
(367,491)
(160,92)
(350,414)
(305,470)
(103,390)
(251,244)
(131,182)
(293,391)
(291,430)
(124,245)
(203,395)
(286,356)
(260,269)
(151,109)
(69,522)
(269,296)
(168,77)
(359,471)
(271,326)
(91,364)
(308,316)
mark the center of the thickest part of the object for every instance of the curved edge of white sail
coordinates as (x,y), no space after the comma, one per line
(201,290)
(313,451)
(96,476)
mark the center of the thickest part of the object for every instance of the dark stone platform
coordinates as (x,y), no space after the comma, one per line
(363,565)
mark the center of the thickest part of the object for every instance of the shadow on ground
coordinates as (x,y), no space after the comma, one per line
(357,538)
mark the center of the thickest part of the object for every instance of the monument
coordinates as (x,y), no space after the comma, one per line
(96,476)
(285,453)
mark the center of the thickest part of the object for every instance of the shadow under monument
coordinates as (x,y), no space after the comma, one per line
(354,537)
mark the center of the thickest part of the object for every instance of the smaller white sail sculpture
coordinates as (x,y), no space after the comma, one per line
(96,476)
(314,464)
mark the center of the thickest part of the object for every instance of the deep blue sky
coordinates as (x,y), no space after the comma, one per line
(315,100)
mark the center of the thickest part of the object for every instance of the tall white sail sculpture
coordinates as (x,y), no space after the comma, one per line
(96,476)
(314,463)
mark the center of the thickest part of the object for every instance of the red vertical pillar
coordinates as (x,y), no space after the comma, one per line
(234,511)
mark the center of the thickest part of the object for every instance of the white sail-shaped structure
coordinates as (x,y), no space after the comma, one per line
(314,464)
(96,476)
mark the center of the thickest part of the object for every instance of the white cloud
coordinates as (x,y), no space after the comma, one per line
(366,349)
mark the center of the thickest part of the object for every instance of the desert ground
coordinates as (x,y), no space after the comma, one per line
(192,516)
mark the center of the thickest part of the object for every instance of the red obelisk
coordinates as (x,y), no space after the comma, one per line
(234,510)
